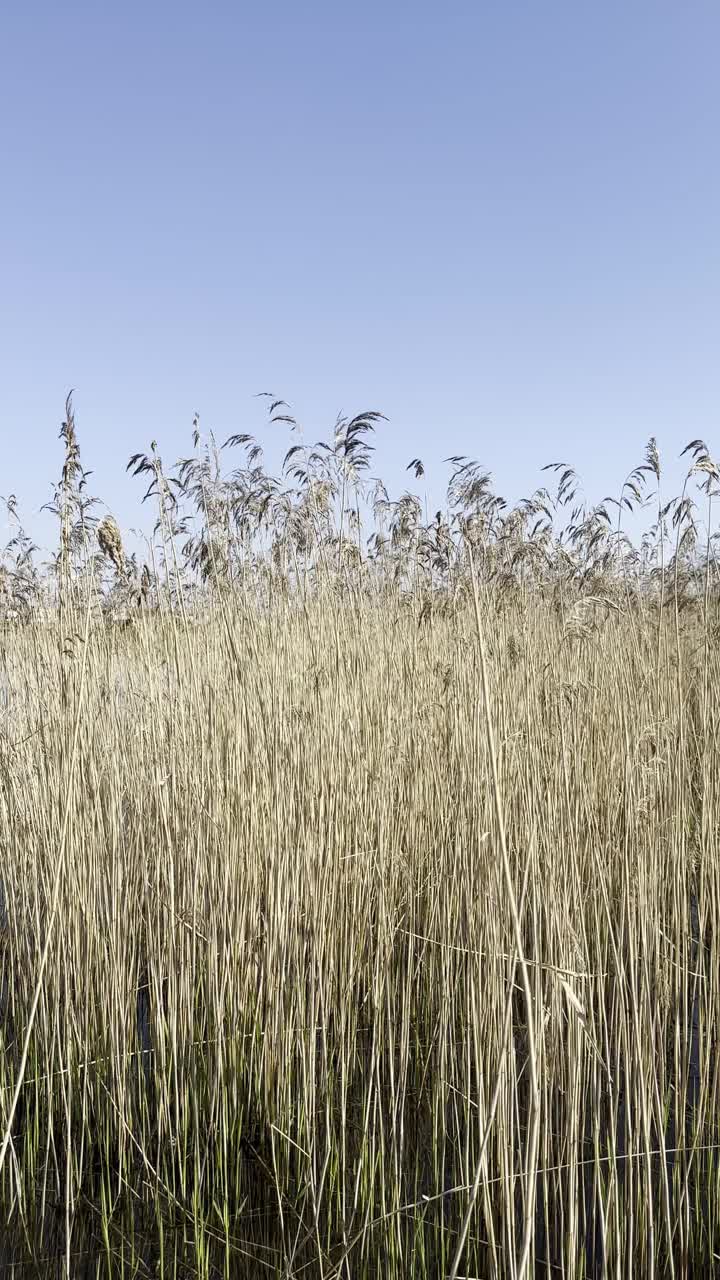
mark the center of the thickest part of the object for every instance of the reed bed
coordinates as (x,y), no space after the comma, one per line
(282,990)
(354,929)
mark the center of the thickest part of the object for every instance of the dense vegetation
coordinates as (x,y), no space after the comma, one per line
(360,890)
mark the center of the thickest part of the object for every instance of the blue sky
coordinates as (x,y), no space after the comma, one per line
(498,223)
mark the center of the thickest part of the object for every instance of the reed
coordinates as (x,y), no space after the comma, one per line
(359,895)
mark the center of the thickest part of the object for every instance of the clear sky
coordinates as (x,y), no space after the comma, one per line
(497,222)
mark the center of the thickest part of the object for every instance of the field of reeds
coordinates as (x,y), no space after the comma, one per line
(360,876)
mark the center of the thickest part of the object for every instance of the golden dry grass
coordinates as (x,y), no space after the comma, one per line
(281,1029)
